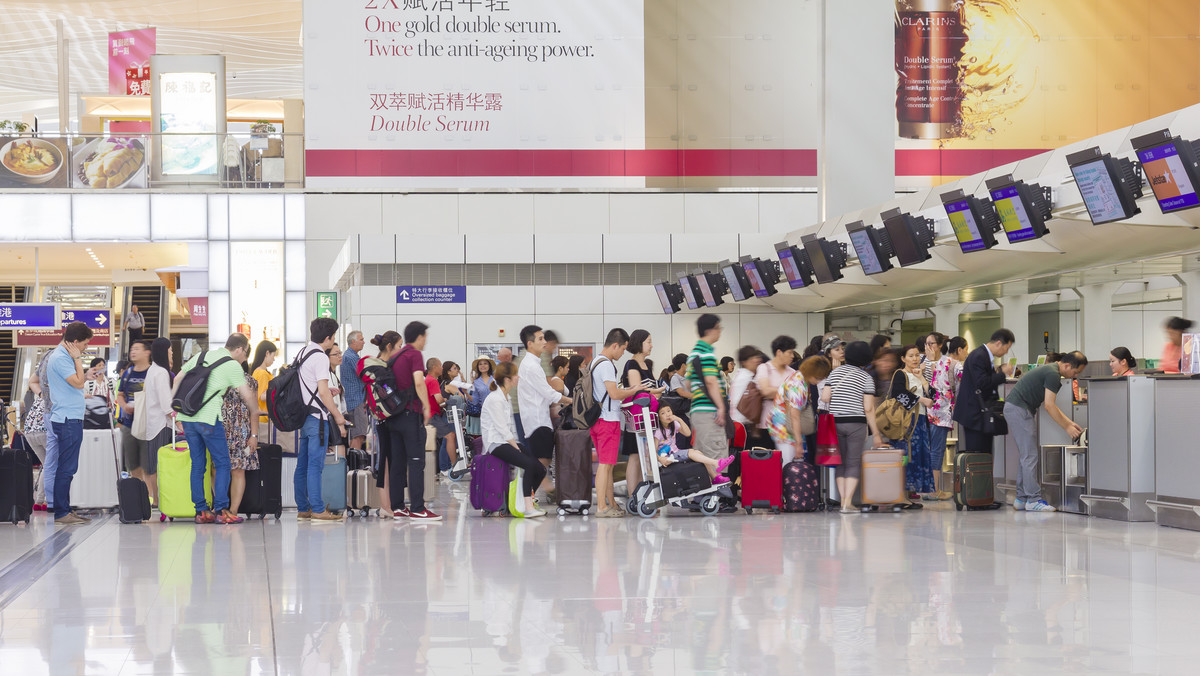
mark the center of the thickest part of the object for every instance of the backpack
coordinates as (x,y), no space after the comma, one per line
(288,406)
(897,415)
(586,410)
(190,396)
(382,397)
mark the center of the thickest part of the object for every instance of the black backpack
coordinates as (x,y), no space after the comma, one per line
(288,405)
(190,396)
(586,409)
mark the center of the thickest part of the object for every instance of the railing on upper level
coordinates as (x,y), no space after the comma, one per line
(152,161)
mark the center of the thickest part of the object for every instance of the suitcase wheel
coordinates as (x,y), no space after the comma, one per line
(278,514)
(749,510)
(585,511)
(710,506)
(562,511)
(958,506)
(487,513)
(262,516)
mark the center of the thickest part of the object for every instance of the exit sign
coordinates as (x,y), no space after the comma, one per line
(327,304)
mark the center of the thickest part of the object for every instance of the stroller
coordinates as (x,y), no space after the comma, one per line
(687,485)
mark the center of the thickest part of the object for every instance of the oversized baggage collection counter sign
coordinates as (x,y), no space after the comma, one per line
(398,91)
(100,322)
(431,294)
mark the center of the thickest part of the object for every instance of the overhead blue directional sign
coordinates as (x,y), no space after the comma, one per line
(28,316)
(431,294)
(95,319)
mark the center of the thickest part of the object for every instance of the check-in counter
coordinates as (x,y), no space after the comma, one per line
(1006,461)
(1177,462)
(1120,458)
(1053,442)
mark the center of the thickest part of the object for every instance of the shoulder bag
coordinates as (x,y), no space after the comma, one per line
(992,413)
(828,453)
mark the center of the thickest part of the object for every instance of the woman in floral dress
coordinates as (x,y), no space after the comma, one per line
(238,428)
(947,372)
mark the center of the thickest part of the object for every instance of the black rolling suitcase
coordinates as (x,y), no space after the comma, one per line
(264,486)
(133,497)
(16,485)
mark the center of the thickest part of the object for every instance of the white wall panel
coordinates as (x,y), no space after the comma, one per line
(631,300)
(377,300)
(786,212)
(497,249)
(178,217)
(576,328)
(560,300)
(720,212)
(377,249)
(762,245)
(218,266)
(434,247)
(218,216)
(255,217)
(570,213)
(420,214)
(341,215)
(372,325)
(648,213)
(577,248)
(644,248)
(296,315)
(490,299)
(495,213)
(294,216)
(300,268)
(694,248)
(110,216)
(31,217)
(483,328)
(218,317)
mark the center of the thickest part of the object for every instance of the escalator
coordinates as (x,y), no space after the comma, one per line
(8,354)
(149,300)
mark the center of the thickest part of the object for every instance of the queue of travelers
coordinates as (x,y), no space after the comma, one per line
(516,405)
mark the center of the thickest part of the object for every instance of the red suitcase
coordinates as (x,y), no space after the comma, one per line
(762,480)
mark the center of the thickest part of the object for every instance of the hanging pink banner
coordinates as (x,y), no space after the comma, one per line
(129,61)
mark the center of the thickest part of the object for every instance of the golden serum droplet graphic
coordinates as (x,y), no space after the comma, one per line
(996,72)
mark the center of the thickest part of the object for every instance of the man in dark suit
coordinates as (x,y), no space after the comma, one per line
(980,373)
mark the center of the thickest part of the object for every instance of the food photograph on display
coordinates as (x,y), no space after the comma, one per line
(27,162)
(110,163)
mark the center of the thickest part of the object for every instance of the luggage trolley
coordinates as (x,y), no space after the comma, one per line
(463,466)
(647,498)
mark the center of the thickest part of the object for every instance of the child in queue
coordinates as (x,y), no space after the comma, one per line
(669,453)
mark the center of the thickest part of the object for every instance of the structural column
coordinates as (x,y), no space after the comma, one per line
(945,318)
(1096,319)
(1191,293)
(1015,318)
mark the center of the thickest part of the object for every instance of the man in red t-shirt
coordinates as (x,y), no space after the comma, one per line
(406,430)
(438,420)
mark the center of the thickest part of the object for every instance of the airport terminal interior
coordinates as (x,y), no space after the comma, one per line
(756,337)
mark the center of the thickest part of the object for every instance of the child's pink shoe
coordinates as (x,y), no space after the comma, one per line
(720,479)
(724,463)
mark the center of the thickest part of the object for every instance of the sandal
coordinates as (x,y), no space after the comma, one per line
(912,506)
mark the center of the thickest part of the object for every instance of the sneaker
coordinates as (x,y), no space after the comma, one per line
(303,516)
(227,516)
(533,514)
(848,510)
(401,514)
(426,516)
(68,520)
(81,517)
(724,464)
(1039,506)
(206,517)
(326,517)
(613,513)
(1019,505)
(720,479)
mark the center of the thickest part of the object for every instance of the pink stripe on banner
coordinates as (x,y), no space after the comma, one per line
(653,163)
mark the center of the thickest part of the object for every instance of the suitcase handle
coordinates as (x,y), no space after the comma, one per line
(762,454)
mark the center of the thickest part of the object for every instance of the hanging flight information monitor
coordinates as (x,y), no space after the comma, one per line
(1169,163)
(1023,209)
(973,220)
(1109,187)
(796,265)
(872,247)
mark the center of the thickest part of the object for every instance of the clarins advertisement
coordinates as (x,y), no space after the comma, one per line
(983,82)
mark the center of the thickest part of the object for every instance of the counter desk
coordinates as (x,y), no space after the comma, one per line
(1120,457)
(1177,460)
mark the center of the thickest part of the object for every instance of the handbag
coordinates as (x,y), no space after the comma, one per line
(808,421)
(751,403)
(994,423)
(678,404)
(896,416)
(828,453)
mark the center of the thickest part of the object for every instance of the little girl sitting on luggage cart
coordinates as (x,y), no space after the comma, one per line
(666,438)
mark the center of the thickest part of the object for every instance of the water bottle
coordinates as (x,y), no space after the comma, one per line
(124,475)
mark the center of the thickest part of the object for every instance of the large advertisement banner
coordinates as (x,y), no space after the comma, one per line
(475,88)
(981,83)
(129,61)
(55,163)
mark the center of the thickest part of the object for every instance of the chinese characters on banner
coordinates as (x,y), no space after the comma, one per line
(198,311)
(129,61)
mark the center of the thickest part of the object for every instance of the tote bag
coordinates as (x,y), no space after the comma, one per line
(828,453)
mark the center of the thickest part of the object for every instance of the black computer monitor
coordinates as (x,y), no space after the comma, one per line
(911,236)
(872,247)
(691,290)
(828,258)
(1109,187)
(795,264)
(669,295)
(735,277)
(712,287)
(973,220)
(1169,163)
(1023,209)
(762,275)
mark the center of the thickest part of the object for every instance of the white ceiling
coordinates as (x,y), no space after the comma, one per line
(260,39)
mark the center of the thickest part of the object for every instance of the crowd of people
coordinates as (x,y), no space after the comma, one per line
(514,406)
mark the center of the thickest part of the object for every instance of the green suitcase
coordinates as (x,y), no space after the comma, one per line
(973,487)
(175,481)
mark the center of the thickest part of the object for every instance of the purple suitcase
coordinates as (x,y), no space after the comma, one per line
(800,487)
(489,483)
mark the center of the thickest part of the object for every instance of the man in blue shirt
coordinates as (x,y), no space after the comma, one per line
(354,391)
(66,375)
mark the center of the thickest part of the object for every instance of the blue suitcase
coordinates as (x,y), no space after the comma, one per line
(333,484)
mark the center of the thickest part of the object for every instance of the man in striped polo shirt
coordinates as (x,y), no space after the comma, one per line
(708,390)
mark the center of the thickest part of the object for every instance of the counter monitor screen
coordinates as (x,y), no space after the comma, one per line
(1166,171)
(665,296)
(908,242)
(710,288)
(966,226)
(871,257)
(691,290)
(796,265)
(756,281)
(1023,209)
(820,252)
(1099,192)
(735,276)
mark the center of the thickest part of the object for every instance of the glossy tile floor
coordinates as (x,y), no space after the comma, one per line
(924,593)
